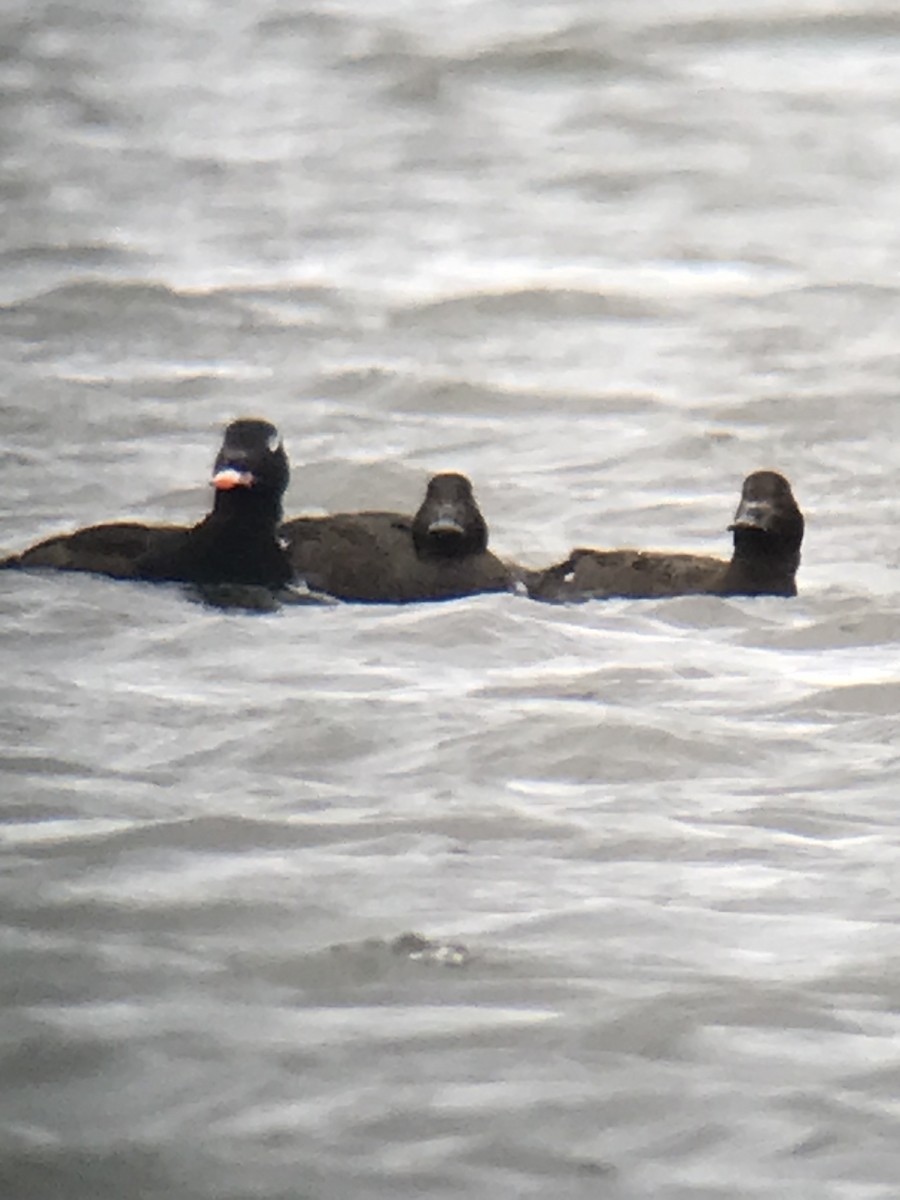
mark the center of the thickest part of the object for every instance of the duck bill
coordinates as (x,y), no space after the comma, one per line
(753,514)
(446,526)
(229,477)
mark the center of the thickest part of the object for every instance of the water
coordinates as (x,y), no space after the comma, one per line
(605,260)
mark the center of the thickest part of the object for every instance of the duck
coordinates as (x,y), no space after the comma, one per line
(767,532)
(236,543)
(438,553)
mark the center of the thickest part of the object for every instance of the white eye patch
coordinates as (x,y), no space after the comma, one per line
(274,442)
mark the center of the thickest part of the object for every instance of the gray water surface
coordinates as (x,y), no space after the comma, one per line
(606,260)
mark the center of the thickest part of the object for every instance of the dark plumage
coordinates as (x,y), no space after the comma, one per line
(438,554)
(767,532)
(236,543)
